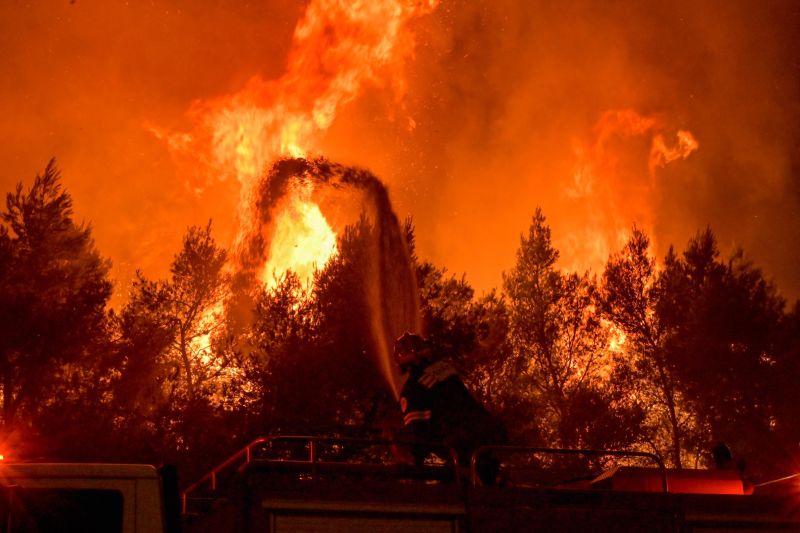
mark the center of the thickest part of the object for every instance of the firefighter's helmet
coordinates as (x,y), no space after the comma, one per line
(410,349)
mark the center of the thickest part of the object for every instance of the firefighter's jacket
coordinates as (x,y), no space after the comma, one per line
(438,407)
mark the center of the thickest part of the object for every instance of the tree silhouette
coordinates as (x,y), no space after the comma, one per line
(558,344)
(701,345)
(277,362)
(313,365)
(54,290)
(629,296)
(172,356)
(183,314)
(722,318)
(470,331)
(676,356)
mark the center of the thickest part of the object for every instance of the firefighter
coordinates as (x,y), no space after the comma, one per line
(437,407)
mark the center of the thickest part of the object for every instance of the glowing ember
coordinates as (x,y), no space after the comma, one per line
(617,339)
(200,346)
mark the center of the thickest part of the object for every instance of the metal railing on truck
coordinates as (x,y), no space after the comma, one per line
(314,457)
(285,480)
(494,450)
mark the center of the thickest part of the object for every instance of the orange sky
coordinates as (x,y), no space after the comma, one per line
(502,95)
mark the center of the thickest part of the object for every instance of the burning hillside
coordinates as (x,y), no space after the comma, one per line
(630,125)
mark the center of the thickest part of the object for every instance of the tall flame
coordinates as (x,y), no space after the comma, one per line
(338,48)
(613,195)
(302,240)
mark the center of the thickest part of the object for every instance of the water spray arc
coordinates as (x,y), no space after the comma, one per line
(389,283)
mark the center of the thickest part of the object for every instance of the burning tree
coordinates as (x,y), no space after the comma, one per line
(171,355)
(629,297)
(700,345)
(722,318)
(186,310)
(559,348)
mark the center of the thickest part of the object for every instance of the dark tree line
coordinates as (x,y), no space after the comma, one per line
(669,357)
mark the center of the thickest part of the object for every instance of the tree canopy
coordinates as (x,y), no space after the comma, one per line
(54,290)
(670,356)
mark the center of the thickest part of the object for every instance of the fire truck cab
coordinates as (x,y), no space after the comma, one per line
(86,497)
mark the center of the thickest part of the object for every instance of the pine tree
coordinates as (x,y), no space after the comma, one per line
(54,289)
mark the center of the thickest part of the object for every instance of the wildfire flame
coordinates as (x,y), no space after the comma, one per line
(302,242)
(614,196)
(338,48)
(661,154)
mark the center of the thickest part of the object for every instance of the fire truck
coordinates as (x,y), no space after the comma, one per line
(333,484)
